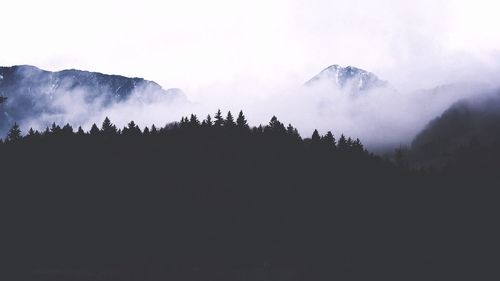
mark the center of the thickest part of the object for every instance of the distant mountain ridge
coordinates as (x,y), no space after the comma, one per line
(48,82)
(465,122)
(355,78)
(31,91)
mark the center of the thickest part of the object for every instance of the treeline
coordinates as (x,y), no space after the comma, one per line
(216,199)
(219,125)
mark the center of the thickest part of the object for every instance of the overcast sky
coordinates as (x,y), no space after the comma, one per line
(195,45)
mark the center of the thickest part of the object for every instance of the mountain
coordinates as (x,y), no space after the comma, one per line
(466,122)
(350,77)
(32,92)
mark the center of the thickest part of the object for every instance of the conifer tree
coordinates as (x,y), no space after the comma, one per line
(291,131)
(193,120)
(342,143)
(154,131)
(208,121)
(229,122)
(184,122)
(358,146)
(315,138)
(219,120)
(94,131)
(132,129)
(329,140)
(14,133)
(107,128)
(55,129)
(241,121)
(31,133)
(80,131)
(67,130)
(275,126)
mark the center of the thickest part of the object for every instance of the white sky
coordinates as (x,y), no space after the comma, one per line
(196,45)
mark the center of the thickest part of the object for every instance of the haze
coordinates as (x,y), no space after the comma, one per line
(256,54)
(196,44)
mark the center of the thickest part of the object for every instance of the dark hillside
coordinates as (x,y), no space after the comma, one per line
(222,201)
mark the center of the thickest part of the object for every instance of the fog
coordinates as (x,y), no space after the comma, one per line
(256,55)
(383,117)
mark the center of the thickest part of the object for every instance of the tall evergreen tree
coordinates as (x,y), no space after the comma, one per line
(154,130)
(229,122)
(291,131)
(107,128)
(329,140)
(94,131)
(241,121)
(132,129)
(14,133)
(31,133)
(207,122)
(275,126)
(193,121)
(358,146)
(80,131)
(315,138)
(219,120)
(184,122)
(342,143)
(55,129)
(67,130)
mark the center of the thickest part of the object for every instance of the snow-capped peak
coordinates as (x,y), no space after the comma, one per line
(350,76)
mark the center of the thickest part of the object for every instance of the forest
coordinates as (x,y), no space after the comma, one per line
(217,199)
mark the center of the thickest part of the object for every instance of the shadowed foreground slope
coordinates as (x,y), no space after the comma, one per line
(222,201)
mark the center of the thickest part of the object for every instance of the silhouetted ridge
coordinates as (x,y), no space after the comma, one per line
(217,199)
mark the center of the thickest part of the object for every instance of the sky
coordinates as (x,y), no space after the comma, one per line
(258,45)
(255,55)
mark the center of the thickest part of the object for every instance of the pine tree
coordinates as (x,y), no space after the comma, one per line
(107,128)
(358,146)
(132,129)
(219,120)
(291,131)
(80,131)
(31,133)
(67,130)
(329,140)
(229,120)
(14,133)
(342,143)
(94,131)
(184,122)
(275,126)
(315,138)
(193,121)
(55,129)
(207,122)
(241,121)
(154,131)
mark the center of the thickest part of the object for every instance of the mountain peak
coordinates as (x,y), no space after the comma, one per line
(349,76)
(33,92)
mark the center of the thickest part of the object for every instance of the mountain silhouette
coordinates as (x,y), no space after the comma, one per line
(32,92)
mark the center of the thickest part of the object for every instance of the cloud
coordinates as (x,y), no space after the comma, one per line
(255,55)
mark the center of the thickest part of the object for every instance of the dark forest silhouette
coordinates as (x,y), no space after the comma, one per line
(216,199)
